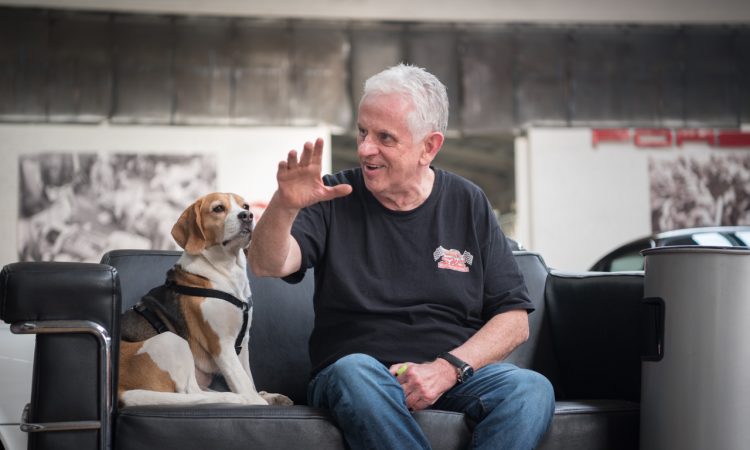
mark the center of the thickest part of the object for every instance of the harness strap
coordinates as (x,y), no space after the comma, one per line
(160,327)
(150,317)
(202,292)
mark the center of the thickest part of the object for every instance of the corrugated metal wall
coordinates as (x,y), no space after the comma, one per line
(78,67)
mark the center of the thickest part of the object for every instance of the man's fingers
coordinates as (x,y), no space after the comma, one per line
(415,403)
(317,157)
(291,159)
(311,154)
(341,190)
(337,191)
(307,154)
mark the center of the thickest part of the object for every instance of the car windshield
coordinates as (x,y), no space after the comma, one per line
(744,236)
(713,239)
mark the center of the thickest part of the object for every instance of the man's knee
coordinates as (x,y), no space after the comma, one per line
(525,388)
(356,365)
(358,371)
(536,391)
(523,409)
(360,379)
(536,382)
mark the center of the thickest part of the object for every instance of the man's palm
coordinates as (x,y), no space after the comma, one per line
(300,184)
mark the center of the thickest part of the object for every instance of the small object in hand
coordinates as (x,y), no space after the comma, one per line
(401,370)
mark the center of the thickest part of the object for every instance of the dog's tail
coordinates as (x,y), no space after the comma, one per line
(142,397)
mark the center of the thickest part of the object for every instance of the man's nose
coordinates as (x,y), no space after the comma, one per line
(366,147)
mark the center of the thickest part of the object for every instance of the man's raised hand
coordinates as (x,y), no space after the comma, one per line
(300,182)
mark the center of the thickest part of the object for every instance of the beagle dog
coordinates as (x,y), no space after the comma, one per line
(196,325)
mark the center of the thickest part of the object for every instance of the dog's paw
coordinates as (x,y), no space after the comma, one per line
(276,399)
(254,399)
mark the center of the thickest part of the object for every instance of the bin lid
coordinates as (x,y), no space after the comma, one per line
(696,249)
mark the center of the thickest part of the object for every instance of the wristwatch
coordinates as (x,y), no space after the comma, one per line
(464,371)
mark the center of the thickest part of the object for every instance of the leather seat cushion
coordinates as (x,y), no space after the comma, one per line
(232,427)
(593,424)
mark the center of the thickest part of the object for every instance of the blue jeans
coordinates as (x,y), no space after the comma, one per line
(511,407)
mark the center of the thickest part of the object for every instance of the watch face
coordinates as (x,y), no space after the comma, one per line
(466,373)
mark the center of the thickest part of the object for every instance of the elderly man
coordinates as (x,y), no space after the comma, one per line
(417,295)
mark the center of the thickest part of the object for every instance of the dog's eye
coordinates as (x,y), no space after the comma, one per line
(218,208)
(246,207)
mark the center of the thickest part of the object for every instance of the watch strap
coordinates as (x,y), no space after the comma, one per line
(456,362)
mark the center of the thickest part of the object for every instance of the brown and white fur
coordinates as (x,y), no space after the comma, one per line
(164,368)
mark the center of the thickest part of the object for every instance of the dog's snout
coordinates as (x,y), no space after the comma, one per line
(245,215)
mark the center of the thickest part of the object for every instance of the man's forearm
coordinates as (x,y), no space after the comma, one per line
(493,342)
(273,251)
(496,339)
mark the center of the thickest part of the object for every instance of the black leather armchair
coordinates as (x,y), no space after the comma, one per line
(584,338)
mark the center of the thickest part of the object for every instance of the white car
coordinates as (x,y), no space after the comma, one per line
(628,256)
(16,360)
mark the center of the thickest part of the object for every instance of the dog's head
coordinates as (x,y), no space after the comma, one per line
(215,219)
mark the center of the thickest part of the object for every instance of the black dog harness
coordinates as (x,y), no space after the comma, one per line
(160,327)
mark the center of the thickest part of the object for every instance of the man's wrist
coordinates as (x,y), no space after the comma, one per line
(463,370)
(445,365)
(277,202)
(447,370)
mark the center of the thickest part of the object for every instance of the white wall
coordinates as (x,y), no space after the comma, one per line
(579,11)
(584,202)
(246,158)
(577,202)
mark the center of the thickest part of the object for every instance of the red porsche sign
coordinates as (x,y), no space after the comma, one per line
(666,137)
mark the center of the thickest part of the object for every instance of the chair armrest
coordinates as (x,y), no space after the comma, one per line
(34,291)
(595,325)
(74,310)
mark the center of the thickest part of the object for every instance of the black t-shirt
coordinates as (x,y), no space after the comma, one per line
(404,286)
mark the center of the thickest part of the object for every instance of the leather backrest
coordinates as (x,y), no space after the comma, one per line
(140,271)
(570,308)
(282,323)
(595,319)
(536,353)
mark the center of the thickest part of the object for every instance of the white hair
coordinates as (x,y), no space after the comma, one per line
(428,95)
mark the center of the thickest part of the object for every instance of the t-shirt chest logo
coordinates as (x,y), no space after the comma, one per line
(453,259)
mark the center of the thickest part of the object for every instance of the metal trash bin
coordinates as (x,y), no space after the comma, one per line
(695,390)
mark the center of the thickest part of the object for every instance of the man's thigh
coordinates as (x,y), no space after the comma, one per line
(480,394)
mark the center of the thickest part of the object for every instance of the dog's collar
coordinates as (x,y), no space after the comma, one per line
(213,293)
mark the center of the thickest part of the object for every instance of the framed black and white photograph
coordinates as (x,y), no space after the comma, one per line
(76,206)
(696,191)
(74,193)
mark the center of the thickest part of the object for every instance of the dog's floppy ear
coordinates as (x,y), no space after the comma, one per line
(188,231)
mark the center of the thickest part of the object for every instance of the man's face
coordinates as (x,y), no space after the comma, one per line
(390,158)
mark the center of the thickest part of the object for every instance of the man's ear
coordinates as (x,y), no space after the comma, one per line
(188,231)
(433,142)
